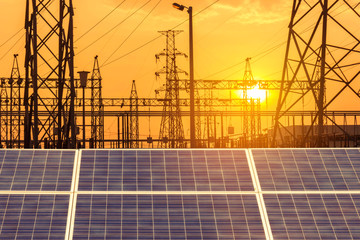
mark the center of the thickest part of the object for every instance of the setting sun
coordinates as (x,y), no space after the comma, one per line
(254,93)
(257,93)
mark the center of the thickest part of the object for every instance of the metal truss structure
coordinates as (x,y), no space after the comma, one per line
(97,107)
(171,128)
(320,68)
(134,117)
(49,55)
(251,121)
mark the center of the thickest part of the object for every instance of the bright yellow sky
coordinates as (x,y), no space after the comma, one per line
(225,34)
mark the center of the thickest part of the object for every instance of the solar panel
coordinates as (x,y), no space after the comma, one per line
(34,170)
(308,169)
(314,216)
(167,217)
(33,216)
(180,193)
(164,170)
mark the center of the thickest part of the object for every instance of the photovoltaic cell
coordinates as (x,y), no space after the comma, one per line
(315,216)
(164,170)
(167,217)
(308,169)
(33,216)
(35,170)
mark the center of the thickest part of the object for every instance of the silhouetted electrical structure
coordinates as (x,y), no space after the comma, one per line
(15,82)
(252,120)
(207,122)
(4,112)
(10,112)
(97,107)
(171,128)
(49,73)
(321,68)
(134,117)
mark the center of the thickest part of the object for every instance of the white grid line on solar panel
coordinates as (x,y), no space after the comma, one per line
(168,192)
(313,192)
(38,169)
(121,169)
(36,192)
(167,216)
(321,216)
(33,216)
(259,197)
(73,197)
(305,169)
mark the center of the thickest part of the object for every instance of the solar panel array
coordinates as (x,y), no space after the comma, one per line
(35,188)
(180,193)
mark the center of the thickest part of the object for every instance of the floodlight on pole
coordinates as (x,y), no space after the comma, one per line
(178,6)
(191,83)
(83,82)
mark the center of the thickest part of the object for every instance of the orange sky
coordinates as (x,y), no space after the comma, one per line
(225,34)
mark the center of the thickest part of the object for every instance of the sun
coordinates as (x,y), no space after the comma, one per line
(253,93)
(257,93)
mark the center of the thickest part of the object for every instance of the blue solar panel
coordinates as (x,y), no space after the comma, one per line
(164,170)
(308,169)
(168,217)
(33,216)
(314,216)
(34,170)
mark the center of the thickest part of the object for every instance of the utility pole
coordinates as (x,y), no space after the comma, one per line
(193,142)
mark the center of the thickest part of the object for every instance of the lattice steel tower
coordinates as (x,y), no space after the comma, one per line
(171,128)
(251,108)
(134,117)
(15,82)
(4,113)
(49,66)
(322,58)
(97,107)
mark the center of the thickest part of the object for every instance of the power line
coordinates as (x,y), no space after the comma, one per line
(112,29)
(127,38)
(12,47)
(152,40)
(11,37)
(101,20)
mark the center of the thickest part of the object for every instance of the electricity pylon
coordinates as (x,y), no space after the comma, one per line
(15,105)
(322,53)
(49,73)
(134,117)
(171,128)
(251,107)
(97,107)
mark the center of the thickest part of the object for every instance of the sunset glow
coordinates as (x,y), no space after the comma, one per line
(254,93)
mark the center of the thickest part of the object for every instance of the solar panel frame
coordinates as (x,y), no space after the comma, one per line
(182,185)
(36,170)
(147,170)
(314,216)
(205,216)
(37,216)
(307,169)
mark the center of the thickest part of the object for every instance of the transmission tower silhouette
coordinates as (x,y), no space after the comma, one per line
(49,73)
(321,59)
(171,128)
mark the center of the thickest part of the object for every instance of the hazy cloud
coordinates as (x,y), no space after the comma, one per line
(255,11)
